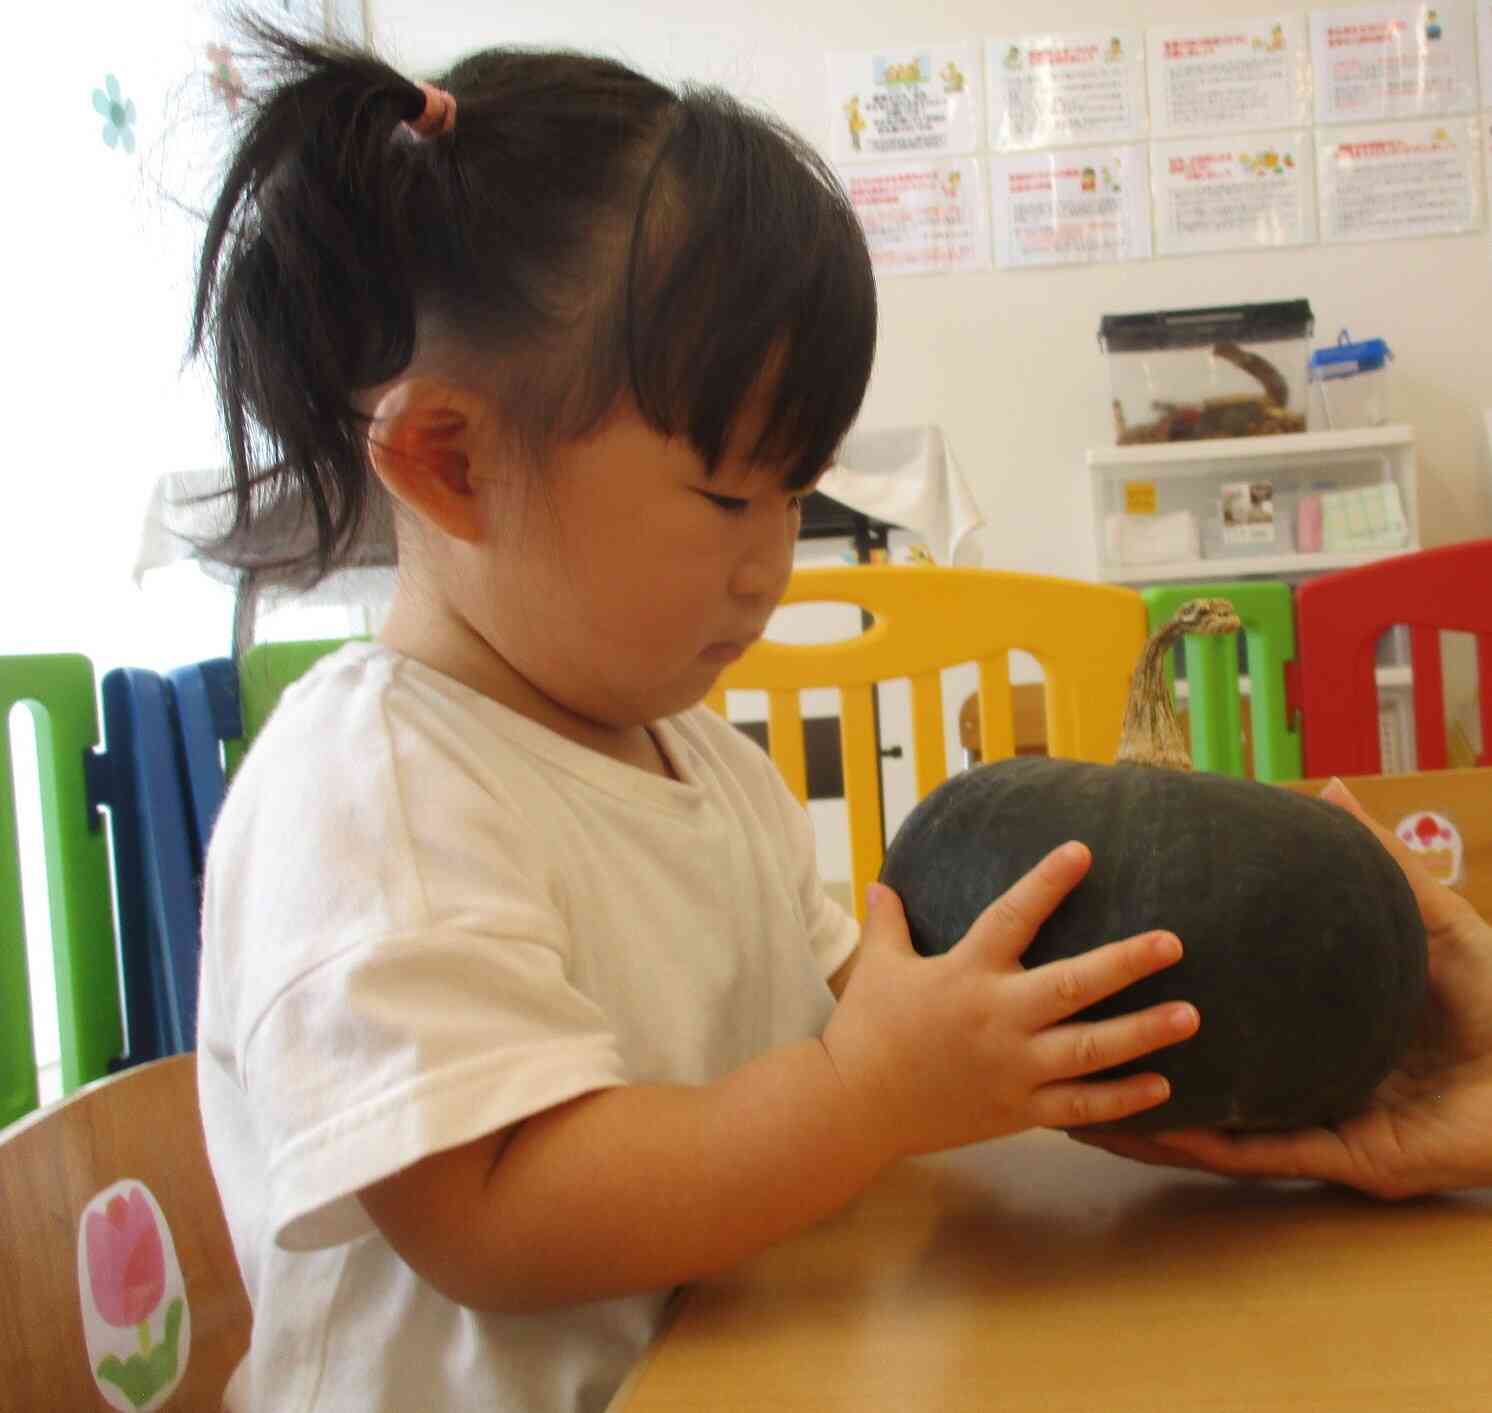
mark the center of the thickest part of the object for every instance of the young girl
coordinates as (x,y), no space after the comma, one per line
(518,992)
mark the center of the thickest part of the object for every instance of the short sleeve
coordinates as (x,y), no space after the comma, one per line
(833,934)
(386,957)
(402,1047)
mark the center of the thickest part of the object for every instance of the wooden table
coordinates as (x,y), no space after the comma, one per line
(1034,1275)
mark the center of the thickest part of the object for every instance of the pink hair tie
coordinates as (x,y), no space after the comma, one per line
(439,115)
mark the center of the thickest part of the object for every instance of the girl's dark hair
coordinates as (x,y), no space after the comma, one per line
(583,233)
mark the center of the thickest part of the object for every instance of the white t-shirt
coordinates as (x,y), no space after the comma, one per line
(427,917)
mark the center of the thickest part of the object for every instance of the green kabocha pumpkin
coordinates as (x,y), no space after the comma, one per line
(1304,949)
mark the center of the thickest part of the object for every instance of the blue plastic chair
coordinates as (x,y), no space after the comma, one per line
(157,869)
(166,735)
(205,696)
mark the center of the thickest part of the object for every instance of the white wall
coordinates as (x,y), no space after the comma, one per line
(1008,362)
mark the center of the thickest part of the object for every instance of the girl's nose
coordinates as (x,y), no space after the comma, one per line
(766,565)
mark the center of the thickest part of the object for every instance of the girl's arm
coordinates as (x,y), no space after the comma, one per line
(647,1186)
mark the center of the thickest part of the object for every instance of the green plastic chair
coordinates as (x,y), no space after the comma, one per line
(263,674)
(59,691)
(1266,609)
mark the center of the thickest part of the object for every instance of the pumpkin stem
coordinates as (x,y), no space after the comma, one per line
(1151,734)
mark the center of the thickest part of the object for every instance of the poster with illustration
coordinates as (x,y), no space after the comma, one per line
(921,217)
(1075,207)
(1250,192)
(1484,30)
(1229,77)
(1049,90)
(1398,180)
(921,101)
(1394,61)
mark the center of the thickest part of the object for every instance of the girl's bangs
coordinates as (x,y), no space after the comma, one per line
(749,292)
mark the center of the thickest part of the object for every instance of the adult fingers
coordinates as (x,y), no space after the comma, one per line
(1063,988)
(1438,904)
(1005,928)
(1306,1153)
(1069,1051)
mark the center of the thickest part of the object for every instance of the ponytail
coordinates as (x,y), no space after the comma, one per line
(304,295)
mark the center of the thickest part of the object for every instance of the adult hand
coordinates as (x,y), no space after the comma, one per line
(1429,1126)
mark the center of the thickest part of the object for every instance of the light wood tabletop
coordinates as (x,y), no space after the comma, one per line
(1036,1275)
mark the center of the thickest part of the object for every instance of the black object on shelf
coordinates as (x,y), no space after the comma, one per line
(1195,328)
(825,518)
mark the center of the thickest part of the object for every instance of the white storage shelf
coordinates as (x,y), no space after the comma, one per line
(1187,476)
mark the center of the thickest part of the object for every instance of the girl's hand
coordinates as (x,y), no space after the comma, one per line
(1429,1127)
(937,1052)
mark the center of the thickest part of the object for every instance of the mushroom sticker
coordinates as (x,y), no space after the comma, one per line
(1435,842)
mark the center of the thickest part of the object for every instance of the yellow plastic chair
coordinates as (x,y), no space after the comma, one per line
(1087,638)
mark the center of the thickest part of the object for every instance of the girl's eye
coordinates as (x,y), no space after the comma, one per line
(731,505)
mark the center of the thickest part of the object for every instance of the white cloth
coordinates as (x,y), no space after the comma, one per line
(426,918)
(908,476)
(184,507)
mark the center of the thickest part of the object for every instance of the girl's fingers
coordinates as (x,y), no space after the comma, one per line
(1069,1051)
(1005,928)
(1079,1102)
(1062,989)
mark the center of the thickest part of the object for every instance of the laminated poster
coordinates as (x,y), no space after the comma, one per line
(921,101)
(1248,192)
(1079,206)
(1394,61)
(1399,180)
(1050,90)
(1229,77)
(921,217)
(1484,30)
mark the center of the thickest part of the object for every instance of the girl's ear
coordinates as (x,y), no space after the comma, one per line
(422,444)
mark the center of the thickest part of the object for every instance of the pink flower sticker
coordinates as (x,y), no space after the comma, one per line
(126,1264)
(135,1317)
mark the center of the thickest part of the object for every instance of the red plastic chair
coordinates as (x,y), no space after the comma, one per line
(1339,619)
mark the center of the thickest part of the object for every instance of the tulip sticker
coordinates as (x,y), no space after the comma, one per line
(135,1316)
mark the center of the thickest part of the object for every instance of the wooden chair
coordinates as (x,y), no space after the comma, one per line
(1463,797)
(1339,619)
(142,1126)
(1087,638)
